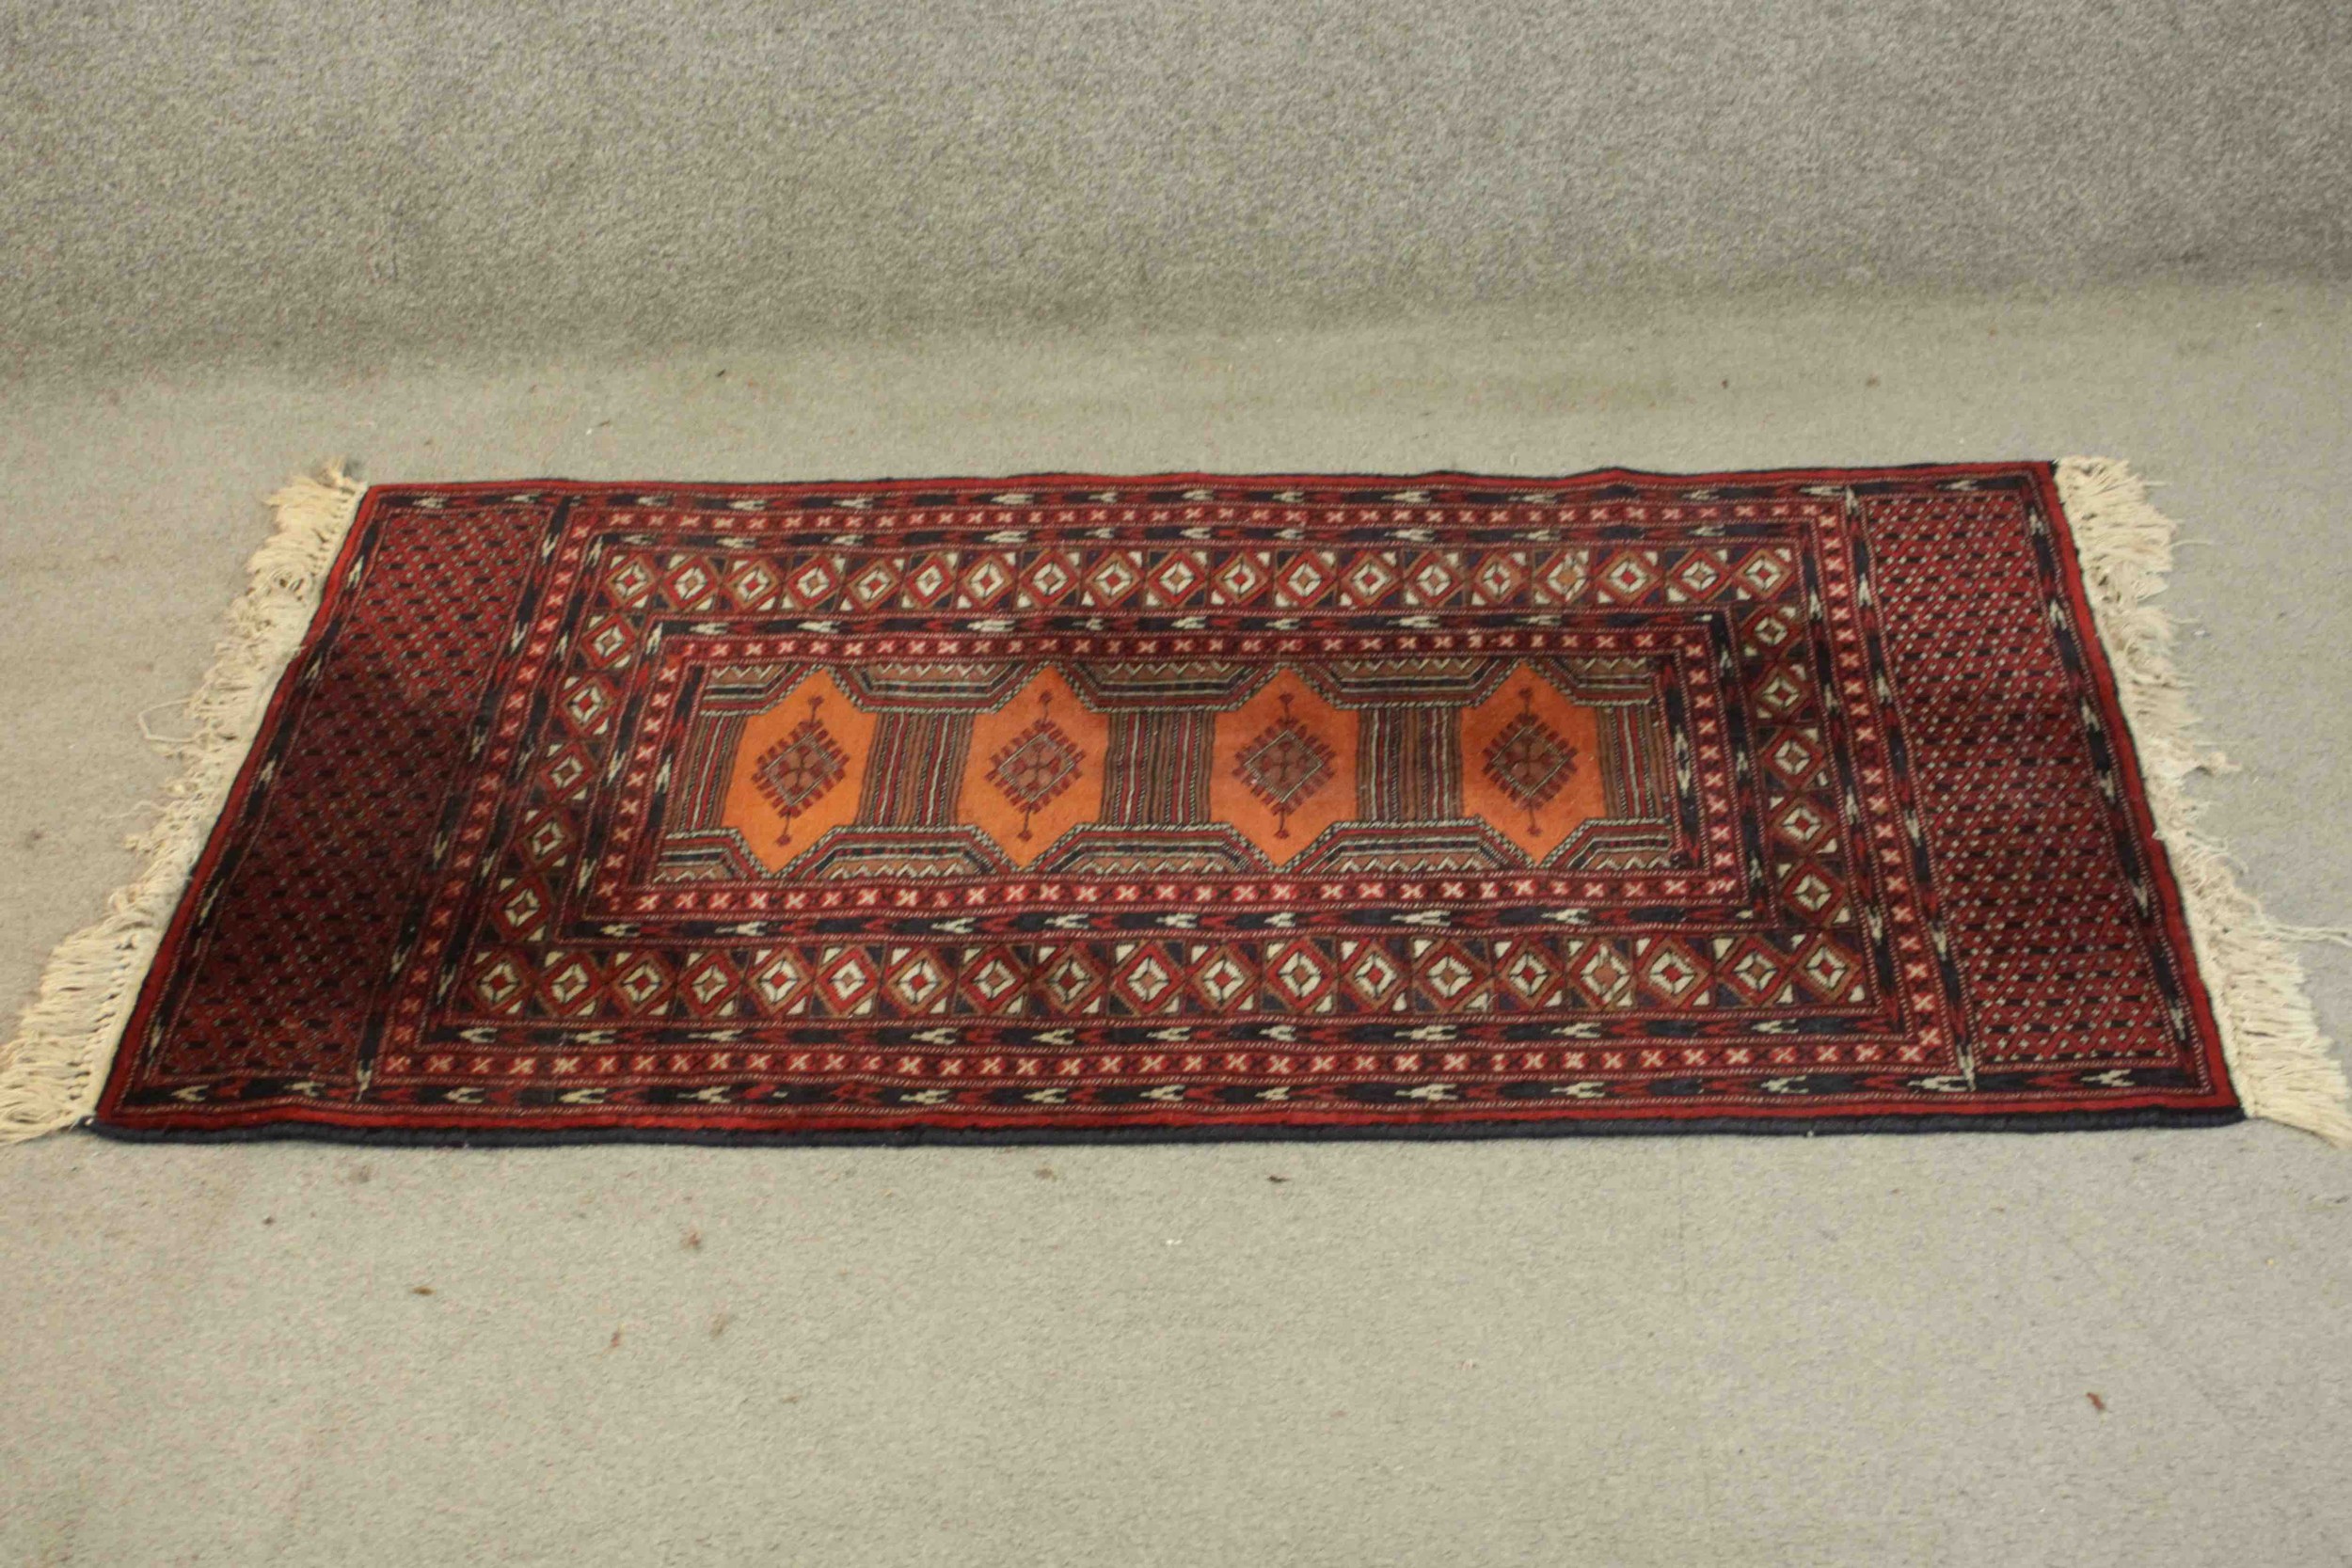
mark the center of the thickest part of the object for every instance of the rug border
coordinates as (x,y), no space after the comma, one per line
(2084,592)
(1926,1123)
(2086,588)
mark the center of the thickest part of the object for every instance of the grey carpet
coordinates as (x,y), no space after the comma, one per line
(1679,1351)
(473,240)
(389,175)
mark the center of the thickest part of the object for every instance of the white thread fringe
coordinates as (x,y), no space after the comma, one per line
(51,1074)
(2280,1061)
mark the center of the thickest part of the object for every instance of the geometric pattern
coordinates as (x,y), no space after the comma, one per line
(1285,766)
(1187,806)
(793,772)
(1035,766)
(1527,760)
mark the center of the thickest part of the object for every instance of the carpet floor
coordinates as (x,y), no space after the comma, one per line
(1652,1351)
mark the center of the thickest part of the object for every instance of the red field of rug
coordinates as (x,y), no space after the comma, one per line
(1187,806)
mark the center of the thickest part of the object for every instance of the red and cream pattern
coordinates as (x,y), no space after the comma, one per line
(1187,805)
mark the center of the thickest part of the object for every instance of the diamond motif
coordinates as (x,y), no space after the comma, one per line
(1672,972)
(1069,981)
(1037,765)
(992,982)
(796,771)
(1304,582)
(985,582)
(1699,576)
(1753,972)
(518,916)
(1240,580)
(1112,581)
(588,705)
(1765,571)
(873,585)
(707,984)
(1795,758)
(629,580)
(1285,767)
(815,583)
(1047,582)
(1373,976)
(1369,579)
(546,839)
(929,583)
(1809,892)
(1300,978)
(1147,984)
(1222,980)
(919,983)
(1434,578)
(1781,692)
(569,983)
(641,983)
(846,981)
(780,982)
(1827,970)
(1173,579)
(608,641)
(1563,577)
(1604,978)
(499,985)
(1528,760)
(754,587)
(1448,978)
(1500,576)
(568,769)
(1629,575)
(1527,975)
(1772,627)
(1801,824)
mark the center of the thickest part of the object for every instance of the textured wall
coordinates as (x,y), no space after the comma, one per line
(209,177)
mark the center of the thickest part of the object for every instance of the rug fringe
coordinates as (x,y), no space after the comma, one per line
(2280,1061)
(52,1072)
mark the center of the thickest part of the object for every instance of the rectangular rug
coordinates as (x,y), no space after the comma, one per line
(1185,806)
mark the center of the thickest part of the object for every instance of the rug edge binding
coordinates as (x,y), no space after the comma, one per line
(2280,1061)
(53,1072)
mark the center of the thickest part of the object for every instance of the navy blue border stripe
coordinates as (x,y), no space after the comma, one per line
(913,1138)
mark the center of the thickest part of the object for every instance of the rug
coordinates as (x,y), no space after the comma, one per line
(1187,806)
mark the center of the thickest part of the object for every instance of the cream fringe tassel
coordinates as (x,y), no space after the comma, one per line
(2279,1061)
(52,1072)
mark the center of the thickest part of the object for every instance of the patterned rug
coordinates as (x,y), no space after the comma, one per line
(1187,806)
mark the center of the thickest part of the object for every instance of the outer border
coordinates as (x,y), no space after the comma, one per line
(964,1138)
